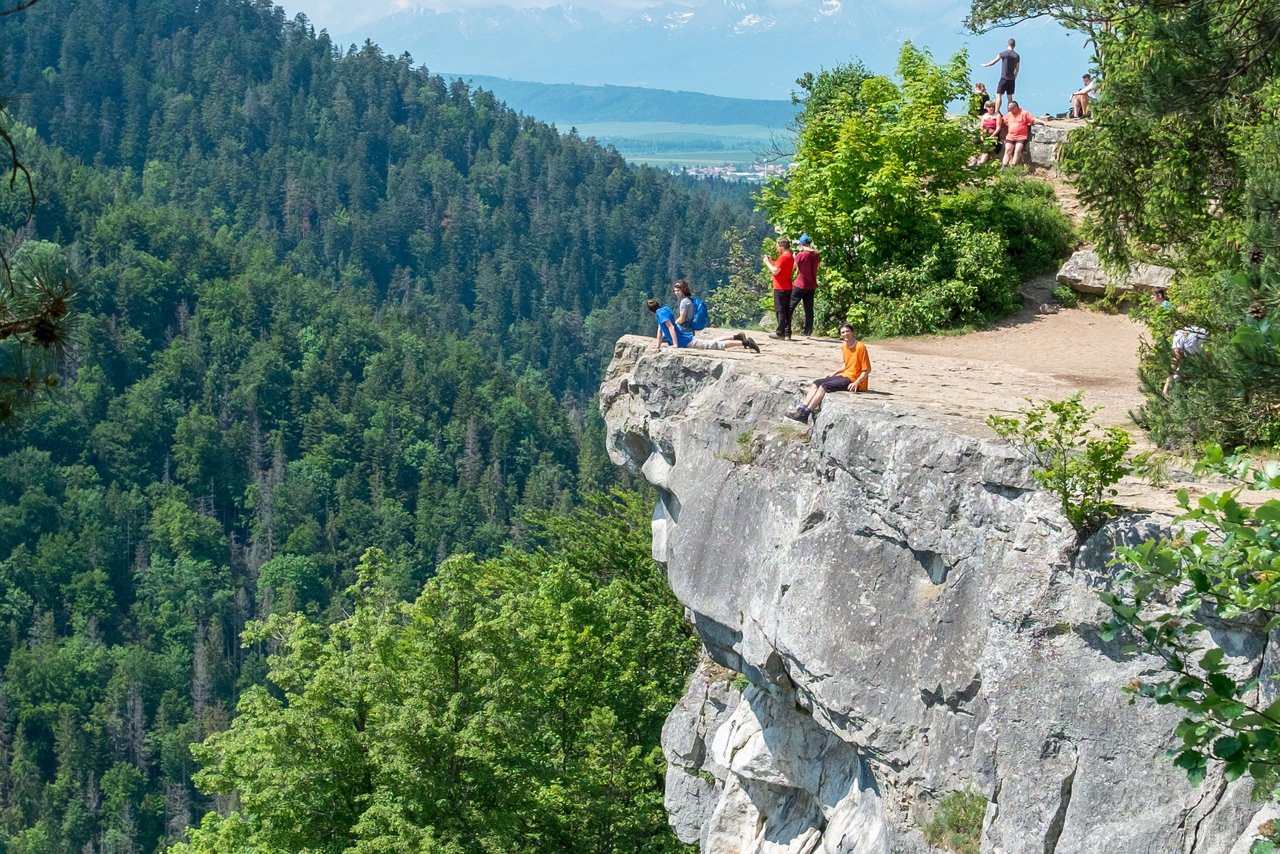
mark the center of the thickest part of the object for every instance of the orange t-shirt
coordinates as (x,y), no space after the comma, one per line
(1019,125)
(855,362)
(786,264)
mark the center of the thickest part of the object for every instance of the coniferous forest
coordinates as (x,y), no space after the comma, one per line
(341,327)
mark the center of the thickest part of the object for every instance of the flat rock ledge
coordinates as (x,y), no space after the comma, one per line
(892,611)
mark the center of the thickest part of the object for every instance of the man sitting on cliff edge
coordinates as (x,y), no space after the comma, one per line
(853,377)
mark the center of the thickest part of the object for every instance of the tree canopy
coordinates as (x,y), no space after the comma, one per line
(1181,165)
(330,303)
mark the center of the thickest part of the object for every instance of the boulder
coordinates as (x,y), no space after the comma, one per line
(1083,272)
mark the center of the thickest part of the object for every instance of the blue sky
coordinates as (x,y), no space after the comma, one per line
(1053,60)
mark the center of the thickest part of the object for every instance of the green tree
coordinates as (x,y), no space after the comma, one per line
(877,178)
(1073,458)
(516,706)
(1179,166)
(36,324)
(1219,566)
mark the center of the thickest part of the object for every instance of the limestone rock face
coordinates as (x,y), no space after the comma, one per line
(1083,272)
(913,617)
(1045,140)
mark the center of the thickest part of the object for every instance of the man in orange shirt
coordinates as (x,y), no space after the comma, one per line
(783,269)
(852,377)
(1019,122)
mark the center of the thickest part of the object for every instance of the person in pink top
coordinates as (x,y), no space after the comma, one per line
(992,124)
(1019,123)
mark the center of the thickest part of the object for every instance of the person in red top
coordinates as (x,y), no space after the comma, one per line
(806,283)
(852,377)
(992,124)
(1019,123)
(783,268)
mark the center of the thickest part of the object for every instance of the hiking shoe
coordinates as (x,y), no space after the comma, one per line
(750,343)
(740,336)
(778,335)
(797,415)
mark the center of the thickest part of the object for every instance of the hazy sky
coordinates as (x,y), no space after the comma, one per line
(1059,59)
(342,15)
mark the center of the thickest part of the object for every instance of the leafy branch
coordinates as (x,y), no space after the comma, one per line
(1072,457)
(1221,563)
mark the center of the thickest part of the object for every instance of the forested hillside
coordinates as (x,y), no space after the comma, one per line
(330,303)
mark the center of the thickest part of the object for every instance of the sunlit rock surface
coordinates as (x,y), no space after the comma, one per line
(910,616)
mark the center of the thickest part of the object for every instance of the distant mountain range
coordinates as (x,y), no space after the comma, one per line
(567,104)
(753,49)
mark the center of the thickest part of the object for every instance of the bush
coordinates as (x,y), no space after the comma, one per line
(1025,212)
(957,824)
(1065,296)
(962,280)
(914,238)
(1072,457)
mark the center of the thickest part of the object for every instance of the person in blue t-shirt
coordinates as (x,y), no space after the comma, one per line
(674,336)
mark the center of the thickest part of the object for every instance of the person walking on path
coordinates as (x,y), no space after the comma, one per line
(1010,62)
(806,283)
(852,377)
(782,268)
(674,336)
(1018,122)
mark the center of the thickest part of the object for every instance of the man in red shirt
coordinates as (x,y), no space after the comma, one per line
(783,268)
(806,283)
(1019,122)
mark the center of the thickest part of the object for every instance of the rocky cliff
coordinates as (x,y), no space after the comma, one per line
(894,613)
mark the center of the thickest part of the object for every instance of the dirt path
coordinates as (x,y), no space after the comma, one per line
(968,377)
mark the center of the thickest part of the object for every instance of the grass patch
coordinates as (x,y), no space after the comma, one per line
(956,825)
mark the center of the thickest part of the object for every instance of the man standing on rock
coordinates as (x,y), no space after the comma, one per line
(1010,62)
(782,269)
(806,283)
(852,377)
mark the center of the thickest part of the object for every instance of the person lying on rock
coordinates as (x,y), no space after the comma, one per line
(674,336)
(852,377)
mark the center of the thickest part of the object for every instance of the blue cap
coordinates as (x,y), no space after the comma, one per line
(804,238)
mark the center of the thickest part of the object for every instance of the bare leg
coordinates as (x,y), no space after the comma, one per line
(815,398)
(1012,152)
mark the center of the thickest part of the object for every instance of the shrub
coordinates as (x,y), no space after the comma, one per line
(1217,567)
(1072,457)
(1065,296)
(1025,212)
(914,239)
(957,823)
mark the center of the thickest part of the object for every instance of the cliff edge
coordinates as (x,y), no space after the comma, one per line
(894,612)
